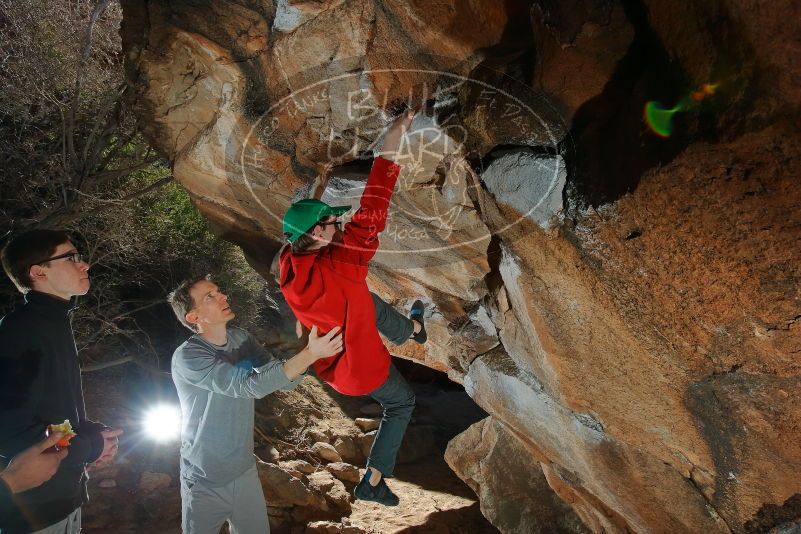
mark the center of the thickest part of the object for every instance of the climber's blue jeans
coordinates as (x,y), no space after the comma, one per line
(394,395)
(393,325)
(397,399)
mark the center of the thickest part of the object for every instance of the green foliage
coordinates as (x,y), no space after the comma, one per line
(140,251)
(176,219)
(140,246)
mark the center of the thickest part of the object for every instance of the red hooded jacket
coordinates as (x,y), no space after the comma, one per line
(327,288)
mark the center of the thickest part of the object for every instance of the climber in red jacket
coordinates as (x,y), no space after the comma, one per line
(323,278)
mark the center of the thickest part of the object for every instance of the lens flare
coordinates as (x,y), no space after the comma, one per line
(707,89)
(163,422)
(660,118)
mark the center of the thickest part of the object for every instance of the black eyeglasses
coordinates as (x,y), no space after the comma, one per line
(75,257)
(337,222)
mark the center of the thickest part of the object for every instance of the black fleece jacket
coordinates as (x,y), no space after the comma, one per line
(40,384)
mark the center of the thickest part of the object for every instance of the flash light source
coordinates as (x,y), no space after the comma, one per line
(163,422)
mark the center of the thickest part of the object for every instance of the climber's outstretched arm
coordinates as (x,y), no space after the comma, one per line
(360,237)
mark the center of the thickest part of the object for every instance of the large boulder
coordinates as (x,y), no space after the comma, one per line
(625,306)
(316,496)
(513,490)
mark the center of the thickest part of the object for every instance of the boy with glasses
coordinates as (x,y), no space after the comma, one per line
(40,380)
(323,278)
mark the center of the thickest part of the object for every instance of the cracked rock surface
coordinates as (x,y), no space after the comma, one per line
(625,307)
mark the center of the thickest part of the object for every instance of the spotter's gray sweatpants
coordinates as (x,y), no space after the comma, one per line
(69,525)
(241,503)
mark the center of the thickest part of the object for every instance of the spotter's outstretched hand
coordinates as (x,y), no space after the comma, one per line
(324,346)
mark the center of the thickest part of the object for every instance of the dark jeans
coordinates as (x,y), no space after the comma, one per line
(394,395)
(392,324)
(397,399)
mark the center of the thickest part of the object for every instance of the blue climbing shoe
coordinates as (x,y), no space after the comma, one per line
(379,493)
(416,314)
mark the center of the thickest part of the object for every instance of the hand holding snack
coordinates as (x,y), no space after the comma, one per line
(33,466)
(66,431)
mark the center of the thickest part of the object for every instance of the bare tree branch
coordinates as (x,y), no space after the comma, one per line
(105,365)
(115,147)
(121,361)
(59,217)
(101,177)
(110,102)
(100,7)
(136,194)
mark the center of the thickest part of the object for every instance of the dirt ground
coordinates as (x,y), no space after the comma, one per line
(140,493)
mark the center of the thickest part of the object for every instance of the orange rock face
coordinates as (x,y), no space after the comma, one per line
(625,307)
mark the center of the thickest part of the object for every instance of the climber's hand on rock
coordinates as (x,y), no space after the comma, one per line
(395,135)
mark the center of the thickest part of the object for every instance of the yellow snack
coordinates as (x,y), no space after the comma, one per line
(66,429)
